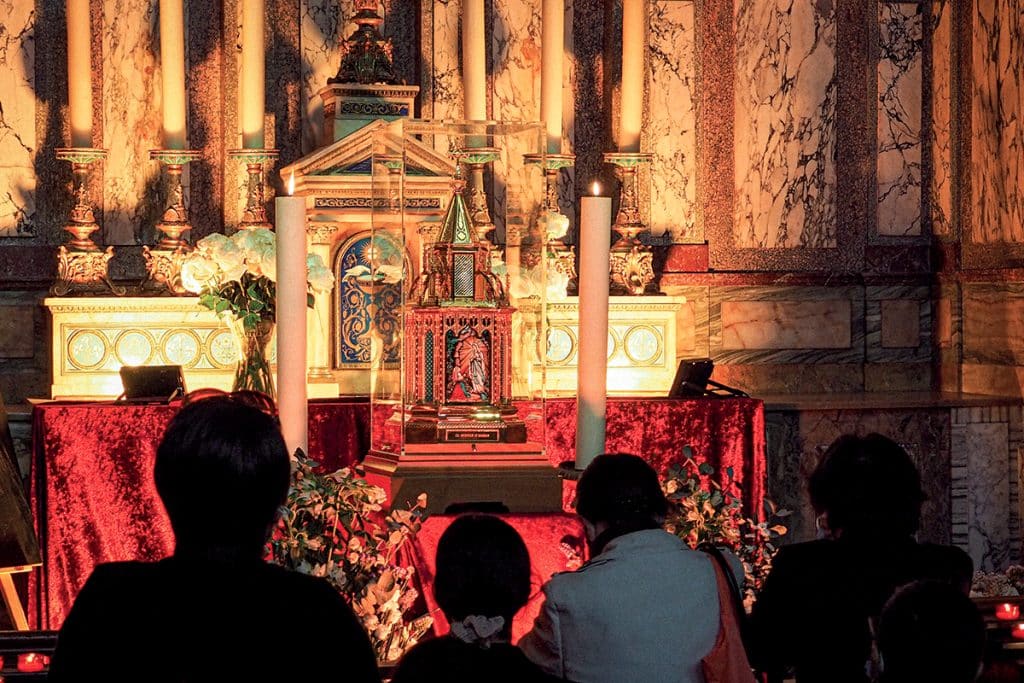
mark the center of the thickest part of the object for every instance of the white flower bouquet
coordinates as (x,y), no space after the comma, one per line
(236,276)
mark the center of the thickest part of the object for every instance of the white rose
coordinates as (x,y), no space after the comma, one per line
(209,244)
(226,254)
(556,225)
(524,286)
(268,264)
(321,280)
(198,273)
(558,282)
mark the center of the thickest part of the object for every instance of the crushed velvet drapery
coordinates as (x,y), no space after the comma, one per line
(93,495)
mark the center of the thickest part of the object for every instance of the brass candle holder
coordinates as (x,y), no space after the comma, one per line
(561,256)
(163,263)
(255,214)
(632,262)
(81,264)
(476,160)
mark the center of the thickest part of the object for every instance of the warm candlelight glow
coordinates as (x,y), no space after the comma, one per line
(31,662)
(595,189)
(1007,611)
(291,184)
(1018,631)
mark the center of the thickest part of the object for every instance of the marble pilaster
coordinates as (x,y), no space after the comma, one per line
(17,119)
(670,120)
(131,120)
(941,178)
(898,180)
(997,144)
(323,24)
(785,127)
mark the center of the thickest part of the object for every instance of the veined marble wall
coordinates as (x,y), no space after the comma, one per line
(785,139)
(324,23)
(132,119)
(898,185)
(997,123)
(670,130)
(941,181)
(17,119)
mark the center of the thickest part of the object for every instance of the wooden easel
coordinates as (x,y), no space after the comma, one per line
(11,599)
(19,549)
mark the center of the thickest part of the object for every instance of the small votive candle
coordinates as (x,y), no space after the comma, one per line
(32,662)
(1018,631)
(1007,611)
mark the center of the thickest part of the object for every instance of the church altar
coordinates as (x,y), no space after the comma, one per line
(94,499)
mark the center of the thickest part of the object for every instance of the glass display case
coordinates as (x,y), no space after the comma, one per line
(457,321)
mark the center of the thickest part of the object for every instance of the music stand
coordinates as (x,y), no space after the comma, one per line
(151,383)
(693,377)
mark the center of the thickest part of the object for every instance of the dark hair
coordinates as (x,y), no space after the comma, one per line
(222,471)
(483,568)
(868,484)
(620,490)
(930,631)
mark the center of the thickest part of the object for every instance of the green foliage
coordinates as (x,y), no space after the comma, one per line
(703,511)
(250,299)
(333,526)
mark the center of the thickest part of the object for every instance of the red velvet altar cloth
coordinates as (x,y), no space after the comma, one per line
(555,540)
(94,498)
(93,494)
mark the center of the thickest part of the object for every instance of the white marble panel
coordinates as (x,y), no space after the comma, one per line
(324,24)
(898,189)
(670,120)
(941,193)
(132,120)
(785,99)
(515,46)
(988,494)
(447,72)
(997,149)
(17,118)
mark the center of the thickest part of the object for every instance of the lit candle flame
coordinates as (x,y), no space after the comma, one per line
(595,189)
(291,183)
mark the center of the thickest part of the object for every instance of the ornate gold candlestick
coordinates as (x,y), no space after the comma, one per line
(81,265)
(255,214)
(163,263)
(632,267)
(561,256)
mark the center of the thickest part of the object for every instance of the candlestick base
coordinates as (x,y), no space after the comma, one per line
(632,262)
(561,257)
(163,264)
(81,265)
(255,213)
(476,159)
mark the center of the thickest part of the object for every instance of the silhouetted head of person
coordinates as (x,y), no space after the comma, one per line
(867,485)
(483,570)
(619,493)
(222,472)
(930,631)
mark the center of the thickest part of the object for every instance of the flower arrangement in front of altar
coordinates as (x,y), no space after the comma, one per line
(236,278)
(333,526)
(998,584)
(702,510)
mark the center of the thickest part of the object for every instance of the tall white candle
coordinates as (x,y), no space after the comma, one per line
(79,73)
(592,356)
(474,60)
(290,225)
(632,75)
(552,47)
(253,97)
(172,67)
